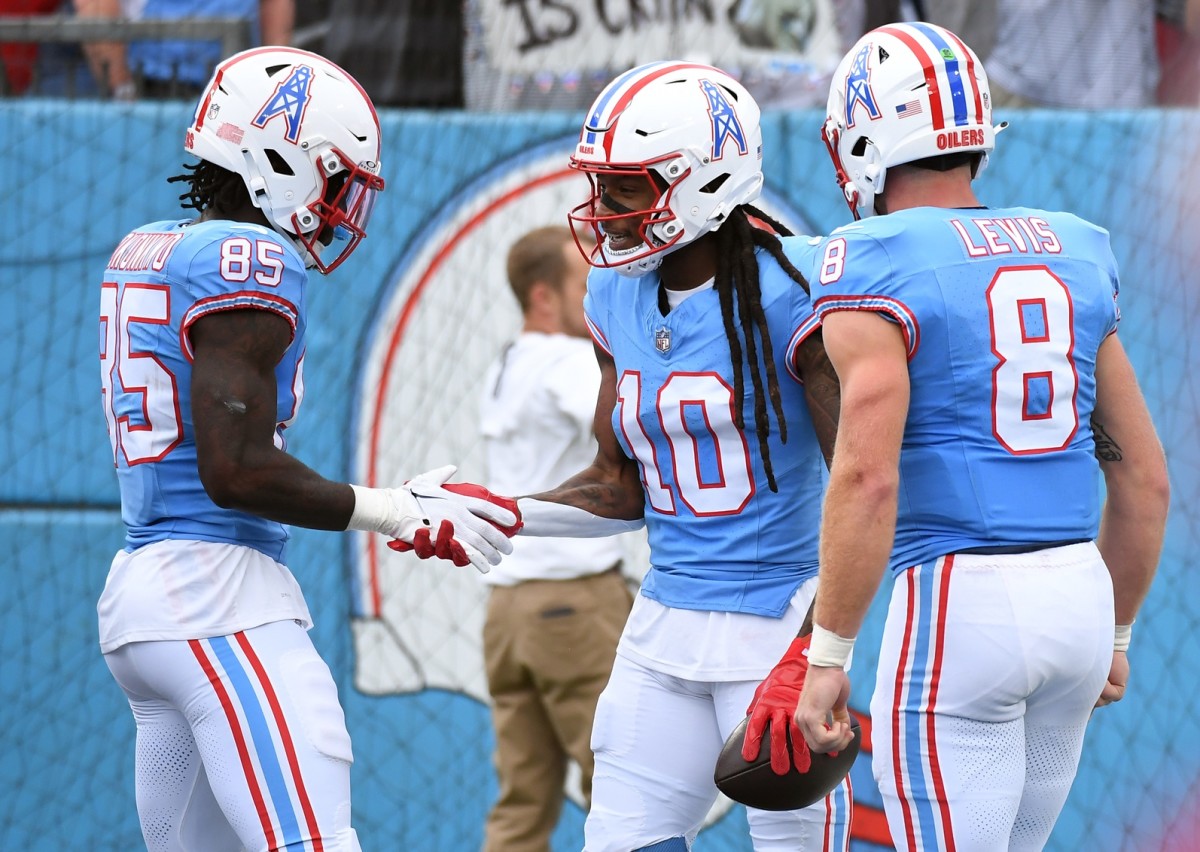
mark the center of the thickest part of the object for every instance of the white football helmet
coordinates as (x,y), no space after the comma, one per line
(304,136)
(904,92)
(693,128)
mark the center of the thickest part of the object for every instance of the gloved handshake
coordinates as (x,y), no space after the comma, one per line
(459,521)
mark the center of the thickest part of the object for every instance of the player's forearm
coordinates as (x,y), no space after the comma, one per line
(857,528)
(1135,477)
(597,502)
(603,490)
(274,485)
(106,59)
(1131,537)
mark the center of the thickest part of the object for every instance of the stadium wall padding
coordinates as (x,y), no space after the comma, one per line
(78,176)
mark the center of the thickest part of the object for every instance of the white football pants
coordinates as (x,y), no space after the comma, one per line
(241,742)
(988,672)
(656,738)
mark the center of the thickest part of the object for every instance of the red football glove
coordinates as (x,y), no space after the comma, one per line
(774,704)
(470,489)
(425,546)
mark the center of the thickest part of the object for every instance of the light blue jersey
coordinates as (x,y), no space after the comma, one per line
(1003,312)
(720,539)
(160,280)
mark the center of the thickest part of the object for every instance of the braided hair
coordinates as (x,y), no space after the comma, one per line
(210,186)
(737,283)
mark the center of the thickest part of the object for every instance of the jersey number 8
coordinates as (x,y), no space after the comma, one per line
(1035,381)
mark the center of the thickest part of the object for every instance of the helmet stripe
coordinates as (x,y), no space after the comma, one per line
(648,74)
(593,120)
(970,78)
(954,73)
(931,80)
(625,98)
(301,55)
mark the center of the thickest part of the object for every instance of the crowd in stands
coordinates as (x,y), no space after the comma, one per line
(486,55)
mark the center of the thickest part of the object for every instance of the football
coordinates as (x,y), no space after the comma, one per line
(755,784)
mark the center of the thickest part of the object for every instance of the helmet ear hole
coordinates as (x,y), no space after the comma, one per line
(860,146)
(715,184)
(278,163)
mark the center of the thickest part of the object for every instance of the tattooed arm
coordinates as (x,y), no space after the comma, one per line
(1135,475)
(1135,511)
(822,390)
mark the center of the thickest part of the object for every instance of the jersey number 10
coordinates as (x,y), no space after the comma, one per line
(729,483)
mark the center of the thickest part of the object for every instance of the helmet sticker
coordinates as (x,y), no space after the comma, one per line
(858,87)
(289,100)
(725,122)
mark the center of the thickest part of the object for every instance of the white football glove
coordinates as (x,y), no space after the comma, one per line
(431,521)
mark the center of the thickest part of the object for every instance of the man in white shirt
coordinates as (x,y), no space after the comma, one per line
(557,605)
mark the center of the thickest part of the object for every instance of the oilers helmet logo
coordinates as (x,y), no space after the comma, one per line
(858,87)
(725,123)
(290,99)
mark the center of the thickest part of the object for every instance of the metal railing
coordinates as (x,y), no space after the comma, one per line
(234,34)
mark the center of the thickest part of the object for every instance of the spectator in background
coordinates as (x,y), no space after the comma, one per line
(19,59)
(1178,37)
(1087,54)
(557,605)
(177,68)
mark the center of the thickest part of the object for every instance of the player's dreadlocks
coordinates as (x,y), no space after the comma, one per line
(210,185)
(737,279)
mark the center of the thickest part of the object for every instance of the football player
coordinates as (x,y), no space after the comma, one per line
(241,740)
(715,417)
(984,392)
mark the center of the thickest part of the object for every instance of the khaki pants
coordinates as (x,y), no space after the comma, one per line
(549,646)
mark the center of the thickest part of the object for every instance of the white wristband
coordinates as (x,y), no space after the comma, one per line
(375,510)
(828,649)
(558,520)
(1121,636)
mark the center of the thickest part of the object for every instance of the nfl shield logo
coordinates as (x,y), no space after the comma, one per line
(662,339)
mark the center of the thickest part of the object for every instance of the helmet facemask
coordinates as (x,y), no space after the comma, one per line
(659,229)
(339,217)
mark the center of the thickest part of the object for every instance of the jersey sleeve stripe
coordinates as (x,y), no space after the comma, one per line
(598,336)
(798,337)
(236,301)
(895,309)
